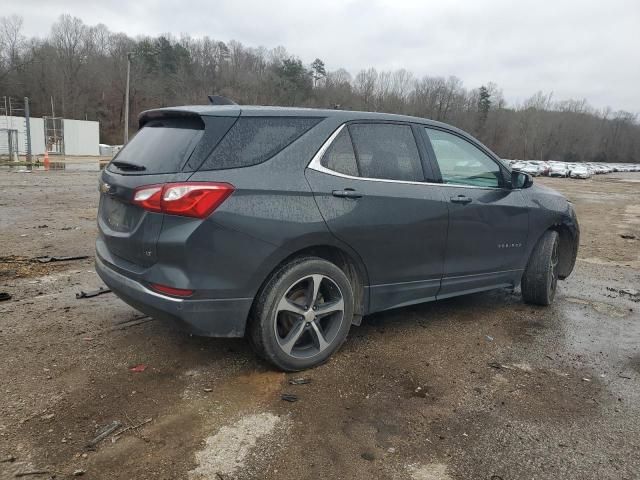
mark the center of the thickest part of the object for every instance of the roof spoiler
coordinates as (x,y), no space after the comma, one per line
(157,114)
(220,100)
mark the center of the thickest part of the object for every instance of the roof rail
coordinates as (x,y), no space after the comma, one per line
(220,100)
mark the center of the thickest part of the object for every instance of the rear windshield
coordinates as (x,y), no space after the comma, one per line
(253,140)
(161,146)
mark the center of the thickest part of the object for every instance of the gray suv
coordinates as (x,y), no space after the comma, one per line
(288,225)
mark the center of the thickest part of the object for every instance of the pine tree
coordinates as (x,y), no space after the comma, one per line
(319,71)
(484,105)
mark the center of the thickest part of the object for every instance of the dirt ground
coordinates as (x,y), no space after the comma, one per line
(479,387)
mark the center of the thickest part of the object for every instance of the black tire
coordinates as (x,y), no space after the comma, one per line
(292,285)
(540,278)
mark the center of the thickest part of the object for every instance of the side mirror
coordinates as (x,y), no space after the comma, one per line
(521,179)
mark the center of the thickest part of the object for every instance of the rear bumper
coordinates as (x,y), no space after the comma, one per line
(206,317)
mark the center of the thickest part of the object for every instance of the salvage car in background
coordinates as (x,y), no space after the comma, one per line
(559,170)
(580,171)
(530,168)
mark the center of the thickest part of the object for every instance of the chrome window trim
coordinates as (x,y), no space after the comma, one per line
(315,164)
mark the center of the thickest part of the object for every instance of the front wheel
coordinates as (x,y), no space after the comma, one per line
(302,315)
(540,278)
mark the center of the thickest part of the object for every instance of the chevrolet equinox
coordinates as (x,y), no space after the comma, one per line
(288,225)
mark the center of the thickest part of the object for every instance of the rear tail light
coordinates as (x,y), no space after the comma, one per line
(149,198)
(191,199)
(175,292)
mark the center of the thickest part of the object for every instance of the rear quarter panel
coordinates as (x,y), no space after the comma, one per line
(272,213)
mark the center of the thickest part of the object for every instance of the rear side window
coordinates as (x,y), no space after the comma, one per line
(161,146)
(253,140)
(387,151)
(340,156)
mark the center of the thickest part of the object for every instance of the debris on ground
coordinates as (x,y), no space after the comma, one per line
(368,456)
(31,472)
(78,473)
(289,397)
(628,236)
(131,427)
(92,293)
(138,368)
(104,433)
(48,259)
(16,266)
(9,459)
(499,366)
(208,390)
(4,296)
(631,292)
(299,381)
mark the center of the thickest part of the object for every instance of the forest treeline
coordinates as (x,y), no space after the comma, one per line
(83,69)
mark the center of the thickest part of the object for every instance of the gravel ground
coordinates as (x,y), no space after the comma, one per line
(481,386)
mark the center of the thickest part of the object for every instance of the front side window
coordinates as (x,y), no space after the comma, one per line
(386,151)
(340,156)
(461,162)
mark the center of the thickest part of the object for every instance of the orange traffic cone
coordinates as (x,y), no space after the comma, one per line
(46,160)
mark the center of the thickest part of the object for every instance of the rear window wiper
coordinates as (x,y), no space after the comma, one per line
(128,166)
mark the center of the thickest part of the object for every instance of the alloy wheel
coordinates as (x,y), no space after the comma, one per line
(309,315)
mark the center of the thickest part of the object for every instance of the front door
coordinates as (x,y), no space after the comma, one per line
(488,221)
(369,186)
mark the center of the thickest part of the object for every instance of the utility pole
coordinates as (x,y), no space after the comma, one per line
(126,100)
(27,119)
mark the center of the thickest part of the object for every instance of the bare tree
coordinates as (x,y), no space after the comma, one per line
(83,68)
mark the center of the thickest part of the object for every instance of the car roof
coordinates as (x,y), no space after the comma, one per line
(340,116)
(273,111)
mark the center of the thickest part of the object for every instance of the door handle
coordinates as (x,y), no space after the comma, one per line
(346,193)
(461,199)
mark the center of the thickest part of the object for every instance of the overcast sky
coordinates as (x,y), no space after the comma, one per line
(576,49)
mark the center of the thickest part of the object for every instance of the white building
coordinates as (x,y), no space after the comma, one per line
(71,137)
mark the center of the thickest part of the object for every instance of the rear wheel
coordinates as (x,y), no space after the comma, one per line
(540,278)
(302,315)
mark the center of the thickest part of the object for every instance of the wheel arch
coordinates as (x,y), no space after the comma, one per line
(567,249)
(568,240)
(348,262)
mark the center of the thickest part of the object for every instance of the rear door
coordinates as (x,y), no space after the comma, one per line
(368,182)
(168,148)
(488,221)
